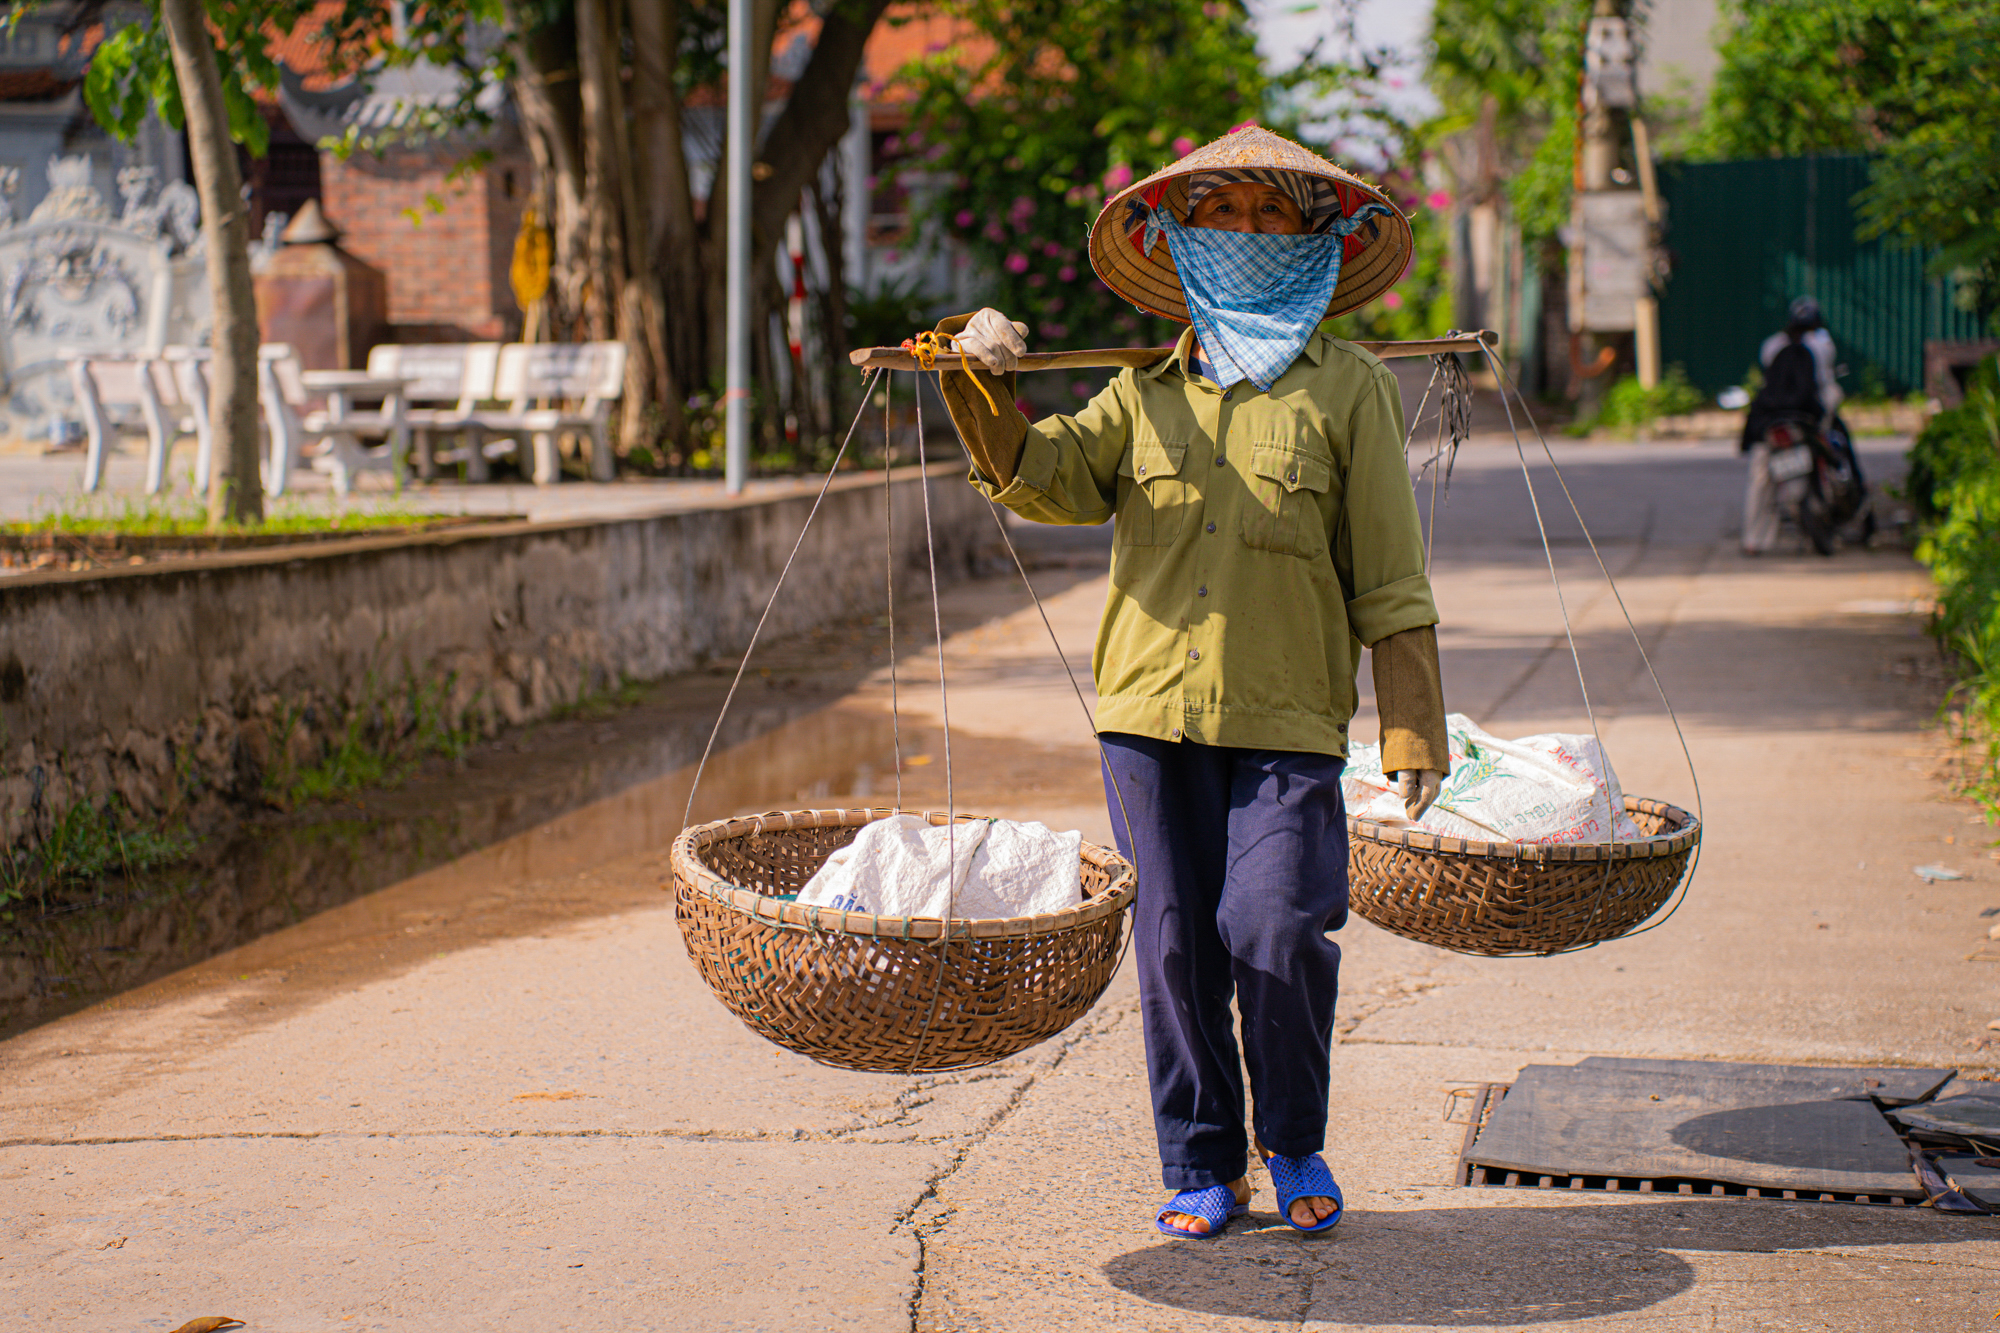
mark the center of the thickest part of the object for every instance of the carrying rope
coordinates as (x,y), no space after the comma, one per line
(926,347)
(1507,386)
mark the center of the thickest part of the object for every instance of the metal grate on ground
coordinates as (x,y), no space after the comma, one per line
(1485,1096)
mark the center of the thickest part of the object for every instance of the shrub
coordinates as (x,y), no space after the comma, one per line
(1629,406)
(1954,484)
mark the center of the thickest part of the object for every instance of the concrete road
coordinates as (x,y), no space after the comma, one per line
(497,1097)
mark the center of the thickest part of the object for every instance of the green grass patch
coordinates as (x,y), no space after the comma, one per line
(382,738)
(154,516)
(89,843)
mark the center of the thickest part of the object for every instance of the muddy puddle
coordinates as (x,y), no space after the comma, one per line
(502,841)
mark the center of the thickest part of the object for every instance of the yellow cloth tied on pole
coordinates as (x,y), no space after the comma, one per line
(529,273)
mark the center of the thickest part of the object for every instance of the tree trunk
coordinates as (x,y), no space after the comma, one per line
(235,491)
(552,115)
(829,197)
(672,243)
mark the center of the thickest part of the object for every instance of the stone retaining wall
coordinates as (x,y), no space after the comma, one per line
(181,683)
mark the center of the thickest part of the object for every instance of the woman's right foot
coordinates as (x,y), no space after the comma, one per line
(1198,1226)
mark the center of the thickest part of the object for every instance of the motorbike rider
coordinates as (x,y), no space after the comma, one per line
(1800,385)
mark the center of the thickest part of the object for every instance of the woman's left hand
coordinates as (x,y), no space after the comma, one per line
(1418,788)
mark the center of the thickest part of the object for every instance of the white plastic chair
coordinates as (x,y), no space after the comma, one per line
(156,389)
(457,375)
(592,375)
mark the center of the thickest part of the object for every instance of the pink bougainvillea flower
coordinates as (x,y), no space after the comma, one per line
(1023,406)
(994,232)
(1183,146)
(1017,263)
(1053,305)
(1246,125)
(1439,199)
(1118,177)
(965,217)
(1021,209)
(1052,250)
(1392,300)
(1080,389)
(1055,330)
(892,145)
(1067,273)
(1037,280)
(891,256)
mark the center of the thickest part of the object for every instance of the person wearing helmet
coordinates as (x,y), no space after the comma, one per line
(1264,531)
(1799,382)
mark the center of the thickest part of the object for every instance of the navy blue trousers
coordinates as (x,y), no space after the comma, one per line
(1242,858)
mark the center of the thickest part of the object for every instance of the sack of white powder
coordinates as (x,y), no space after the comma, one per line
(1552,788)
(906,866)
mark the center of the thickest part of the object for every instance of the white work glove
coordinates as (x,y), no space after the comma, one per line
(1418,788)
(994,340)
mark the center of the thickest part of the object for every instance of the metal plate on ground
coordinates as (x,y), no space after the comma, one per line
(1974,1117)
(1891,1087)
(1700,1123)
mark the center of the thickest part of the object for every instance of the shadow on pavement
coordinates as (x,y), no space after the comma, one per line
(1499,1266)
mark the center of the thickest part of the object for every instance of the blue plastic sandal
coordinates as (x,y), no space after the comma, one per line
(1214,1205)
(1304,1178)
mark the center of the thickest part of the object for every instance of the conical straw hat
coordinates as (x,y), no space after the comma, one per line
(1376,256)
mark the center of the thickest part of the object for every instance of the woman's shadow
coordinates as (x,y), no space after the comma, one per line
(1499,1265)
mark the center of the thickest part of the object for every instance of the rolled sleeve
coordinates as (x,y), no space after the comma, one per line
(1405,604)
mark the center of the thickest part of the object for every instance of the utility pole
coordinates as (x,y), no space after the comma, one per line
(742,134)
(1609,257)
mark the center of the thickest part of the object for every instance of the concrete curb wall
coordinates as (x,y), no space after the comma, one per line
(177,683)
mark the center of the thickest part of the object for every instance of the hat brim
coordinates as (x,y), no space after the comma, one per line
(1376,257)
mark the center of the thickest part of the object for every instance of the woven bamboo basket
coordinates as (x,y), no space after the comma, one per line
(867,992)
(1507,898)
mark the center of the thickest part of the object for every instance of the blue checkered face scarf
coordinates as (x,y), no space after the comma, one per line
(1256,298)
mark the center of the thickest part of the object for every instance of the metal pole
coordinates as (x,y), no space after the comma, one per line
(742,146)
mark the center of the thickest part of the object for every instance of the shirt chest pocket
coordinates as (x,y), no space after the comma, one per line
(1283,512)
(1153,497)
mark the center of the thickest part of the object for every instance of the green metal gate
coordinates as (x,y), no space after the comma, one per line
(1747,237)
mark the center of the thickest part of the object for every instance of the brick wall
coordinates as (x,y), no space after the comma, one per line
(447,269)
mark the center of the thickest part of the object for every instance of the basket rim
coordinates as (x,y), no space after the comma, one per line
(686,864)
(1686,833)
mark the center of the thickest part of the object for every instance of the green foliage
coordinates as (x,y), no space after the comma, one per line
(87,843)
(1067,102)
(132,70)
(1954,483)
(1800,77)
(1912,82)
(1510,69)
(1630,407)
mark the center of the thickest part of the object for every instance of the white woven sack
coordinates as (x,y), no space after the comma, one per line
(898,867)
(1558,787)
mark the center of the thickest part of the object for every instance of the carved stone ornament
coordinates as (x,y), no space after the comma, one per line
(73,280)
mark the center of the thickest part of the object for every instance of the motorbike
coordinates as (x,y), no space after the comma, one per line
(1819,481)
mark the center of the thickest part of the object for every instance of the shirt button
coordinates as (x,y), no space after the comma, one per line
(1227,395)
(1291,476)
(1142,469)
(1222,462)
(1340,726)
(1177,734)
(1194,654)
(1201,591)
(1211,527)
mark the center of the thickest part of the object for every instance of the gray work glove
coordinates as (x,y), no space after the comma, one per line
(1418,788)
(992,339)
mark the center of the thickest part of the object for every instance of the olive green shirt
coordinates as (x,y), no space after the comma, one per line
(1262,539)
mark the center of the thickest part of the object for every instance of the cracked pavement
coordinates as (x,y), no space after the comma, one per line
(497,1097)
